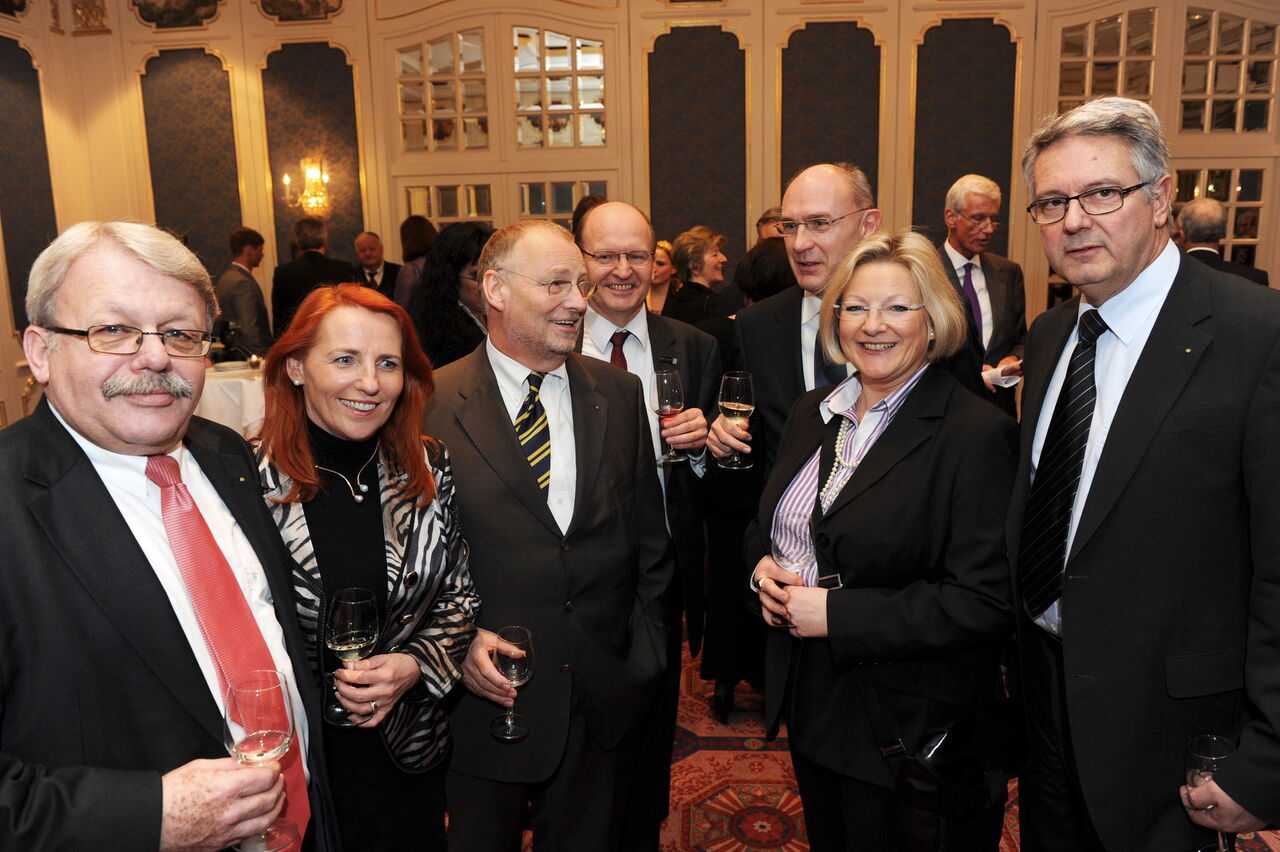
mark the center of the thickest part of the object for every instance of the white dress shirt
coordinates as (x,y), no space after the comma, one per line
(1130,315)
(810,308)
(979,286)
(138,499)
(513,384)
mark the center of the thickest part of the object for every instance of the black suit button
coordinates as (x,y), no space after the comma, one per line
(822,539)
(568,606)
(565,667)
(565,546)
(406,618)
(411,580)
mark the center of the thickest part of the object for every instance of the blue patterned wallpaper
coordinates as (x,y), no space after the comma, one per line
(26,192)
(698,136)
(831,99)
(186,96)
(309,94)
(964,106)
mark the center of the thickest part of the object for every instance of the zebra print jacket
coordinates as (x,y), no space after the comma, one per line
(431,602)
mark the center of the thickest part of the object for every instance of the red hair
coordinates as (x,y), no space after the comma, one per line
(284,428)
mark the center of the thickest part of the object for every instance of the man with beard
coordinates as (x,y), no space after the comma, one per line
(142,572)
(561,506)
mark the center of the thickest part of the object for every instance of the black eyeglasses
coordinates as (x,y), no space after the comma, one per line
(1095,202)
(127,340)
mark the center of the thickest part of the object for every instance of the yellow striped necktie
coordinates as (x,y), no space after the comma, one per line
(533,432)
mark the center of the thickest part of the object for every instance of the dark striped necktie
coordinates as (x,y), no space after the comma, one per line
(1043,548)
(533,433)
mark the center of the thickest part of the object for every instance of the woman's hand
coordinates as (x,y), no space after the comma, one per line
(368,689)
(806,609)
(774,582)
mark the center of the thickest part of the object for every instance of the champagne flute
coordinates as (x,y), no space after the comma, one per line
(668,400)
(257,728)
(737,404)
(350,635)
(510,726)
(1205,753)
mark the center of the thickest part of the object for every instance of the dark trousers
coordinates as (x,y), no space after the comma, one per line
(843,814)
(577,808)
(649,788)
(1051,807)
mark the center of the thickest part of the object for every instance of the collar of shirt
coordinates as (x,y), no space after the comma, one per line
(599,330)
(127,473)
(958,260)
(810,307)
(844,399)
(1128,311)
(513,378)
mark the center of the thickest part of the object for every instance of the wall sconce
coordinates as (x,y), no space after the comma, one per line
(313,198)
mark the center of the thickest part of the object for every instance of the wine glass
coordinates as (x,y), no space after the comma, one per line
(511,727)
(257,728)
(1205,753)
(737,404)
(668,400)
(351,634)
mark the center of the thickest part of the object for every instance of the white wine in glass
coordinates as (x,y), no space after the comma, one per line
(737,404)
(351,634)
(257,728)
(510,726)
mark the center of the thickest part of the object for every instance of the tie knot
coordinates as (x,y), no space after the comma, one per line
(1092,325)
(163,470)
(535,381)
(619,337)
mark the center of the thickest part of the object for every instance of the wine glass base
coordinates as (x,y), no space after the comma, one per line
(278,837)
(734,464)
(669,460)
(509,729)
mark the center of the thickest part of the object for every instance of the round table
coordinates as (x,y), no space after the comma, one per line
(233,398)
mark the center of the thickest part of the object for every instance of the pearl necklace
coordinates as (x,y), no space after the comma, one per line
(364,489)
(841,438)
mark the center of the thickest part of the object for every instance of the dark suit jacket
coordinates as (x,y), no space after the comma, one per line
(241,301)
(100,693)
(917,538)
(592,597)
(1009,315)
(1173,578)
(387,286)
(692,303)
(294,280)
(768,337)
(1217,261)
(676,345)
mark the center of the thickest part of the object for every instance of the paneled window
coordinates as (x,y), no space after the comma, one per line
(1228,72)
(1240,190)
(444,101)
(1109,56)
(559,89)
(443,204)
(555,200)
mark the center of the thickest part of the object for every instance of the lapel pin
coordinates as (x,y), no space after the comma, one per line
(1188,351)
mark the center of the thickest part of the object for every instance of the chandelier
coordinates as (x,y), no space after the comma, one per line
(313,197)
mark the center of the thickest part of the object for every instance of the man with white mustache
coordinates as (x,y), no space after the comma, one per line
(142,574)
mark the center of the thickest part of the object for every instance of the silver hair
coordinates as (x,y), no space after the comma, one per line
(1130,121)
(157,249)
(975,184)
(1203,220)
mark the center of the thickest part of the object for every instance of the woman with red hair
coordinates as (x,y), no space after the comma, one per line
(362,500)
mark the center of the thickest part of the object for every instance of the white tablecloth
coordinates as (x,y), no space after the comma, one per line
(233,398)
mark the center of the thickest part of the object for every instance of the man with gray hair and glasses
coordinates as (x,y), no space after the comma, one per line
(142,574)
(1143,524)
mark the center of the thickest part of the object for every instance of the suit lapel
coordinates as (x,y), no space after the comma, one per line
(80,519)
(790,355)
(590,419)
(997,292)
(1057,326)
(1167,361)
(483,417)
(975,336)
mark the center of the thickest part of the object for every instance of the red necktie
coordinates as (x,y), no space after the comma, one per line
(230,632)
(617,357)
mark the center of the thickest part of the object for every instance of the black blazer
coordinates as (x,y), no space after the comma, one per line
(1169,592)
(1006,291)
(100,693)
(387,286)
(592,597)
(768,338)
(1215,260)
(292,282)
(917,538)
(692,303)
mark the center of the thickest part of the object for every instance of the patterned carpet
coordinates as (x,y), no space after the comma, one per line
(733,791)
